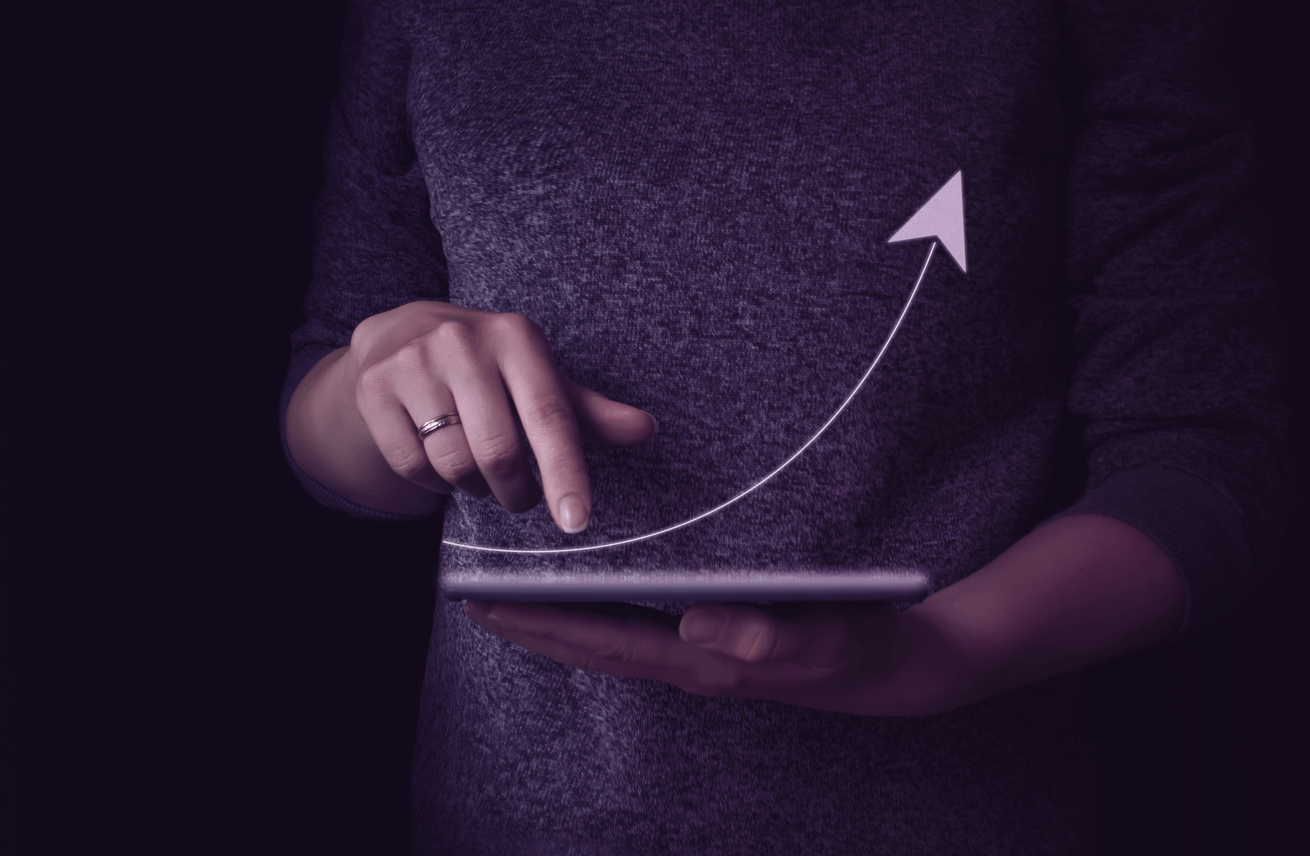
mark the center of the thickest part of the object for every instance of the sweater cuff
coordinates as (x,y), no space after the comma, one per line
(1195,525)
(301,363)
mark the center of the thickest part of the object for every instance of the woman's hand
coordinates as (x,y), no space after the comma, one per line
(353,422)
(851,658)
(1074,592)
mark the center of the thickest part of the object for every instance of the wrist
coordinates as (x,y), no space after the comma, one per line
(945,670)
(307,413)
(909,667)
(1081,590)
(330,441)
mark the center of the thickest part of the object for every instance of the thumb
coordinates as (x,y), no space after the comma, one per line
(815,635)
(604,421)
(747,633)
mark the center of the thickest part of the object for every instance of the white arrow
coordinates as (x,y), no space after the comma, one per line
(942,218)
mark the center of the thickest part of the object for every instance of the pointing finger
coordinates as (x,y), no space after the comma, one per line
(548,421)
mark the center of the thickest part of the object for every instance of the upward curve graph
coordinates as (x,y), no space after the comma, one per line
(942,219)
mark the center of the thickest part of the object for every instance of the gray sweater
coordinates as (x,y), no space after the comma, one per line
(694,201)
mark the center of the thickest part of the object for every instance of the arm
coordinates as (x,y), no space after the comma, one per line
(1179,353)
(1077,591)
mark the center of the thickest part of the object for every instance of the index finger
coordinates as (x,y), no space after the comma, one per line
(528,369)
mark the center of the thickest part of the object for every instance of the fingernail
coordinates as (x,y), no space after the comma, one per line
(573,514)
(654,421)
(704,625)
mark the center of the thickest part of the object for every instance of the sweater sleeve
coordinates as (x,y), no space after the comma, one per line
(375,247)
(1179,354)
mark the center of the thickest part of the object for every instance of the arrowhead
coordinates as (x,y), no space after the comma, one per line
(941,217)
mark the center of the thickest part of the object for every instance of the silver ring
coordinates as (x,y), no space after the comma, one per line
(437,424)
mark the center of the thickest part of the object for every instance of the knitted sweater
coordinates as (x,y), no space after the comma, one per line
(694,200)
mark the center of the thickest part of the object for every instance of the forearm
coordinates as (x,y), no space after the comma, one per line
(1078,591)
(329,440)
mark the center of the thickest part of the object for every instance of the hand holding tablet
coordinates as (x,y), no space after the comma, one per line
(864,658)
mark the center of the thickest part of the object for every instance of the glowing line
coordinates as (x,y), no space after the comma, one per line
(759,483)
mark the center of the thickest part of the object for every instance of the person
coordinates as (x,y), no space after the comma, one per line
(548,229)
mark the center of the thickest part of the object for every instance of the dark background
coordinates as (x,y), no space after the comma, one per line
(200,659)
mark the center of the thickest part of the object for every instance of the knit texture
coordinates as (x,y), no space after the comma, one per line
(693,200)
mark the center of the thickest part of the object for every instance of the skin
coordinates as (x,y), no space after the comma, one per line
(352,423)
(1075,592)
(1080,590)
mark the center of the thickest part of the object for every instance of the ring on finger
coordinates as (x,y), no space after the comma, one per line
(437,424)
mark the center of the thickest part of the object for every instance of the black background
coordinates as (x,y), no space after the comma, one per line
(199,658)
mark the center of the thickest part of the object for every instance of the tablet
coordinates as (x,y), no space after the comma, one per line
(885,584)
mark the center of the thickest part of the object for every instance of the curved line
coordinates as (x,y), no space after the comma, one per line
(759,483)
